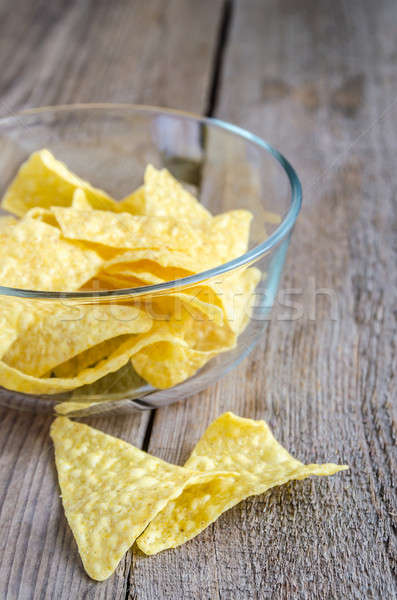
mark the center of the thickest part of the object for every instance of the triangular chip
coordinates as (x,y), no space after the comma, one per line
(194,332)
(229,235)
(64,332)
(45,181)
(124,230)
(19,381)
(14,379)
(149,258)
(10,313)
(165,364)
(227,297)
(235,444)
(41,214)
(6,222)
(88,358)
(69,407)
(135,203)
(110,491)
(34,256)
(166,197)
(224,238)
(80,200)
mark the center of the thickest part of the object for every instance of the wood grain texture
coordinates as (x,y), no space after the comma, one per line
(319,81)
(150,52)
(62,52)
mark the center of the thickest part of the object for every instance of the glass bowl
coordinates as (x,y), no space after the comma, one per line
(226,168)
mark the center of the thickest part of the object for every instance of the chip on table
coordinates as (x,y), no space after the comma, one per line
(111,490)
(230,443)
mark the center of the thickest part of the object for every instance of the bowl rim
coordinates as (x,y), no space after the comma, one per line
(245,259)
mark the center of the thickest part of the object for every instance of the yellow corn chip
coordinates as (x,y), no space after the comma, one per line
(110,281)
(41,214)
(225,238)
(16,315)
(44,181)
(126,383)
(88,358)
(14,379)
(134,203)
(233,293)
(165,197)
(111,491)
(80,200)
(148,271)
(19,381)
(7,336)
(177,346)
(66,408)
(123,230)
(165,364)
(33,256)
(65,332)
(164,258)
(226,300)
(229,235)
(6,222)
(188,325)
(235,444)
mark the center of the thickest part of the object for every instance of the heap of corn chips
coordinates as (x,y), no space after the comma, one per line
(69,236)
(115,494)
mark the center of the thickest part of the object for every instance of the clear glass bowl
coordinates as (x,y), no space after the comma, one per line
(225,166)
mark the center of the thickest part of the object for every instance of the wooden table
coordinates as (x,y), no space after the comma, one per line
(318,79)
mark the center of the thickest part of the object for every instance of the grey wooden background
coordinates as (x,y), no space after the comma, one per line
(318,79)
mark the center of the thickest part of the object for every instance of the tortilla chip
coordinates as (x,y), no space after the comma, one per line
(146,270)
(176,347)
(44,181)
(17,315)
(6,222)
(233,293)
(88,358)
(80,200)
(123,230)
(109,281)
(122,385)
(225,238)
(229,234)
(135,203)
(226,297)
(19,381)
(14,379)
(65,332)
(187,331)
(33,256)
(230,443)
(165,364)
(69,407)
(166,197)
(110,491)
(41,214)
(163,257)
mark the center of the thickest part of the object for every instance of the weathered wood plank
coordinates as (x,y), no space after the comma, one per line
(318,80)
(125,51)
(147,52)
